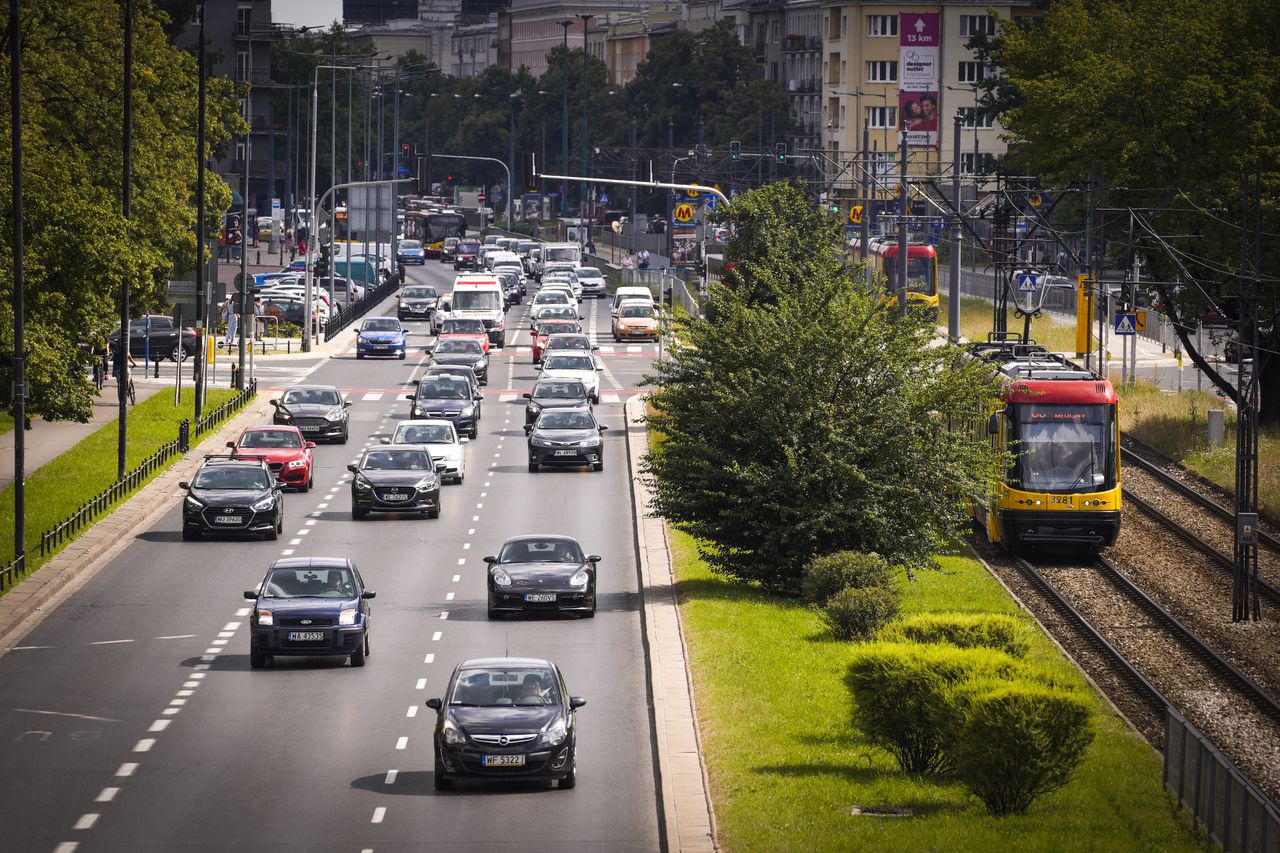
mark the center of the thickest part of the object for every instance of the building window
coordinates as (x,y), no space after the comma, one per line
(882,163)
(882,116)
(844,25)
(884,71)
(971,25)
(244,18)
(986,163)
(242,65)
(833,68)
(975,117)
(973,72)
(882,25)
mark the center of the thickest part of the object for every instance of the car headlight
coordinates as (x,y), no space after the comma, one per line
(265,505)
(265,617)
(468,409)
(482,362)
(534,408)
(453,734)
(335,414)
(540,442)
(192,503)
(361,485)
(580,578)
(500,577)
(554,734)
(297,463)
(428,482)
(347,616)
(590,442)
(284,415)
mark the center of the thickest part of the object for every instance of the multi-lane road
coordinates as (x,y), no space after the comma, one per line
(130,719)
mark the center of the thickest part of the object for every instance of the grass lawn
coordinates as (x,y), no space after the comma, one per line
(786,763)
(60,487)
(975,322)
(6,422)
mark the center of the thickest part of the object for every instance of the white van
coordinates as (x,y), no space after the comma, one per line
(478,296)
(557,252)
(627,294)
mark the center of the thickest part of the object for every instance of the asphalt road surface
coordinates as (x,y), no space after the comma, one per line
(130,719)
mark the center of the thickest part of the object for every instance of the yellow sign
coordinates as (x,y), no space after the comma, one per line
(684,213)
(1141,324)
(692,193)
(1034,200)
(210,347)
(855,214)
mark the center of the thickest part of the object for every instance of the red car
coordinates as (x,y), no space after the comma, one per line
(464,329)
(283,448)
(551,327)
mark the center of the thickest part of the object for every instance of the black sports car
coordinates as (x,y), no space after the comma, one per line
(318,411)
(395,478)
(566,437)
(310,606)
(552,394)
(233,495)
(467,353)
(542,573)
(506,718)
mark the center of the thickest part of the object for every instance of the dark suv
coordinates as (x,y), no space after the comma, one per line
(233,495)
(157,336)
(310,606)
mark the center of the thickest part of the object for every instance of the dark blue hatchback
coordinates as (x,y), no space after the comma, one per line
(310,606)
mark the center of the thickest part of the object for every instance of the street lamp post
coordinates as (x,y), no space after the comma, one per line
(583,214)
(564,115)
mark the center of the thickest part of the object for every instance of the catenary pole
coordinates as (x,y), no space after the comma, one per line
(953,295)
(19,294)
(902,228)
(198,372)
(126,209)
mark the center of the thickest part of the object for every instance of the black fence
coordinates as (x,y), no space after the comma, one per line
(359,308)
(67,529)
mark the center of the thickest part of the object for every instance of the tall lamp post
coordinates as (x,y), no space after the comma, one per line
(201,154)
(564,115)
(126,209)
(585,186)
(19,291)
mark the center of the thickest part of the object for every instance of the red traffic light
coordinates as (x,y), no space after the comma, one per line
(404,150)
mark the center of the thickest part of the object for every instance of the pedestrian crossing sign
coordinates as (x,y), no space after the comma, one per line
(1028,282)
(1126,324)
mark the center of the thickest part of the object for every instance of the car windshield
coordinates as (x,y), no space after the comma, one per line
(312,397)
(468,248)
(637,311)
(559,391)
(553,297)
(551,327)
(549,550)
(1063,448)
(527,246)
(463,346)
(476,300)
(557,312)
(396,460)
(443,390)
(434,434)
(566,420)
(491,688)
(309,583)
(588,272)
(271,438)
(462,327)
(410,244)
(568,342)
(380,324)
(569,362)
(233,478)
(419,293)
(562,254)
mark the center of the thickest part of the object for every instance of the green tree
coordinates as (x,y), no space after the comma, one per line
(1178,99)
(813,424)
(78,249)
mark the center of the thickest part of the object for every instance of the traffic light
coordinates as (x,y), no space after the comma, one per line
(404,151)
(700,151)
(780,152)
(735,150)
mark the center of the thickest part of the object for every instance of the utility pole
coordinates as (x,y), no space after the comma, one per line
(511,160)
(583,209)
(393,201)
(864,227)
(198,371)
(1244,588)
(902,228)
(564,118)
(1103,300)
(953,296)
(126,209)
(634,166)
(19,292)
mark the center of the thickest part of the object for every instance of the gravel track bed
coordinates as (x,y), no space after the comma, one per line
(1195,588)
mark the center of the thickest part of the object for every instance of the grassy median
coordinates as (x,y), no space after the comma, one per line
(786,764)
(60,487)
(975,322)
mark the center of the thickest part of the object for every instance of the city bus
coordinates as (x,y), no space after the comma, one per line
(432,228)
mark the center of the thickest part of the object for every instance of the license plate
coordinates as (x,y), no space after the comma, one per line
(396,497)
(502,760)
(309,428)
(228,519)
(306,636)
(566,453)
(540,597)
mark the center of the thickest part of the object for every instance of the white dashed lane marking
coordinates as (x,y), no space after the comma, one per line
(378,814)
(391,777)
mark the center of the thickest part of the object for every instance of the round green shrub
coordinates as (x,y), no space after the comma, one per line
(826,575)
(856,613)
(905,697)
(1020,741)
(967,630)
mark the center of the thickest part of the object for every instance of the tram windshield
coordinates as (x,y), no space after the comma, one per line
(1064,448)
(922,275)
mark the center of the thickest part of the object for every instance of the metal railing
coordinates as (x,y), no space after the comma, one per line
(348,315)
(220,414)
(14,570)
(1237,816)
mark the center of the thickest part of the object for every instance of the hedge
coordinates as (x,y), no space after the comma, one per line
(966,630)
(828,574)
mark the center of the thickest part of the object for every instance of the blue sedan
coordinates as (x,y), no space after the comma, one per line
(310,606)
(380,336)
(411,252)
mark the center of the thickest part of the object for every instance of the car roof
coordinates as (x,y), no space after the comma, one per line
(423,422)
(312,563)
(312,388)
(416,447)
(525,537)
(484,663)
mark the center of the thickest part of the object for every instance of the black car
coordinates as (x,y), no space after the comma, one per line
(448,396)
(318,411)
(459,352)
(395,478)
(233,495)
(448,250)
(542,573)
(466,255)
(157,336)
(457,370)
(310,606)
(566,437)
(416,302)
(506,718)
(552,394)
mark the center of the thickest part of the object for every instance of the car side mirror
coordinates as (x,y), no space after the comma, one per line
(441,467)
(251,595)
(528,428)
(310,444)
(433,703)
(594,347)
(527,396)
(275,403)
(464,440)
(411,396)
(385,440)
(231,444)
(576,701)
(368,593)
(477,396)
(491,559)
(582,316)
(346,404)
(993,424)
(537,367)
(351,466)
(602,427)
(593,558)
(184,485)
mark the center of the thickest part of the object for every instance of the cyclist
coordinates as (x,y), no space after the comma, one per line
(123,370)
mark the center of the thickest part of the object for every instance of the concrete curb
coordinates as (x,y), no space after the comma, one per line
(39,594)
(688,819)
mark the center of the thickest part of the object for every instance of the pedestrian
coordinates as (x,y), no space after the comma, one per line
(644,259)
(289,245)
(1061,262)
(231,318)
(627,263)
(302,247)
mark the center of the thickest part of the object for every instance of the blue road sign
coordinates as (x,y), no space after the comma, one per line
(709,201)
(604,198)
(1126,324)
(1028,282)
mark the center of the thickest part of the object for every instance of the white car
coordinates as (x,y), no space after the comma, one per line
(573,365)
(564,279)
(592,281)
(441,441)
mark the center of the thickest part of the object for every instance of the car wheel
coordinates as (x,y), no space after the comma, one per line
(441,782)
(357,657)
(402,355)
(433,513)
(493,614)
(359,354)
(257,659)
(311,481)
(570,782)
(190,535)
(458,479)
(533,466)
(359,514)
(272,535)
(343,439)
(597,466)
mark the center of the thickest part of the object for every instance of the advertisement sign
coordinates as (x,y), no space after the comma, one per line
(918,45)
(684,246)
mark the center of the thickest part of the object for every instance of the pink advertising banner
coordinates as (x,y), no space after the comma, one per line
(918,78)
